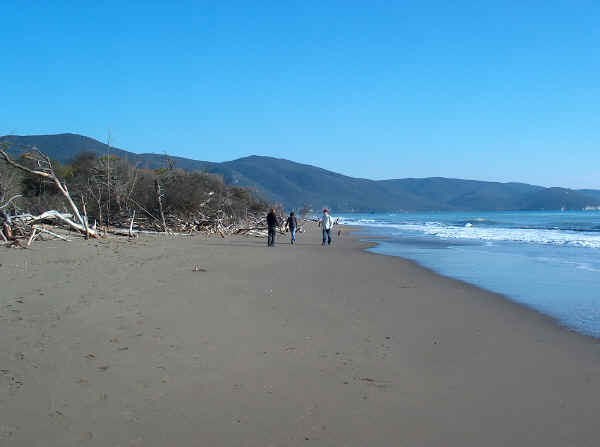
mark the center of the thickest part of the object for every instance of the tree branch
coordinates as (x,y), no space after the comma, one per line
(10,200)
(61,186)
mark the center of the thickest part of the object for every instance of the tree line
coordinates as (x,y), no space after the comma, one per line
(110,190)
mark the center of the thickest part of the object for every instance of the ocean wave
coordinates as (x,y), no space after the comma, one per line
(588,266)
(525,235)
(480,222)
(538,236)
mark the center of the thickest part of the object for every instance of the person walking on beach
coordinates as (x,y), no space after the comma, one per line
(272,224)
(292,224)
(326,224)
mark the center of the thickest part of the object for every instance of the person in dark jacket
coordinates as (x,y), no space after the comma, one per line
(272,224)
(292,224)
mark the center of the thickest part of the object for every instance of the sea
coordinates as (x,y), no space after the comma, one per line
(548,261)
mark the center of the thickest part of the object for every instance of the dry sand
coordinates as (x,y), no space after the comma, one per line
(118,343)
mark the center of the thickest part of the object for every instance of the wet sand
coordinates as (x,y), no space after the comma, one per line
(122,343)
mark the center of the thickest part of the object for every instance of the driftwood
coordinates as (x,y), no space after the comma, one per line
(23,225)
(8,202)
(43,230)
(32,237)
(27,226)
(64,218)
(125,232)
(85,221)
(216,213)
(208,217)
(131,225)
(7,232)
(245,230)
(160,205)
(45,170)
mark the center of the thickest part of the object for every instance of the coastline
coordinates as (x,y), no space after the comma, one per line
(120,342)
(371,241)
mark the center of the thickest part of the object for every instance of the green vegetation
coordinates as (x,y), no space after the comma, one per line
(112,189)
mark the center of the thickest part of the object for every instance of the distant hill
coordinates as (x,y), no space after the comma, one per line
(591,192)
(295,184)
(63,147)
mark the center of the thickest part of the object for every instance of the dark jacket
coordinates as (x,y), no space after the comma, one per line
(272,220)
(292,222)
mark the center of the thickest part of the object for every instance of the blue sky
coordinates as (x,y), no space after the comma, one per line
(503,90)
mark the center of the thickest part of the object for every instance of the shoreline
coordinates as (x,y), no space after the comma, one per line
(123,342)
(555,322)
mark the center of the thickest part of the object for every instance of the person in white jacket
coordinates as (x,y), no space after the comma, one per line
(326,224)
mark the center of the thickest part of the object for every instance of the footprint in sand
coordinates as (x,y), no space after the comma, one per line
(130,416)
(8,431)
(15,383)
(85,437)
(380,384)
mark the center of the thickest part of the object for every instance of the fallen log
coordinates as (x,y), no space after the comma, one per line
(32,237)
(160,205)
(85,221)
(125,232)
(7,232)
(43,230)
(47,171)
(131,225)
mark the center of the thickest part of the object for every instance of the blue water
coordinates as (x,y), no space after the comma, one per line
(549,261)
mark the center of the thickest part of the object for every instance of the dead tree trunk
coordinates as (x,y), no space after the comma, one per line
(160,207)
(5,229)
(85,220)
(46,171)
(8,202)
(131,225)
(108,181)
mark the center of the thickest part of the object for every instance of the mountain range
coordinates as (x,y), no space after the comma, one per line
(294,184)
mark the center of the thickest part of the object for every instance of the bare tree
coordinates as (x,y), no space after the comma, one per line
(108,180)
(44,169)
(159,196)
(5,188)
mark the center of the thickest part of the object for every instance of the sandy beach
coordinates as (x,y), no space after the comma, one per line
(122,343)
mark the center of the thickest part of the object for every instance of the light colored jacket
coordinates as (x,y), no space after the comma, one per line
(327,222)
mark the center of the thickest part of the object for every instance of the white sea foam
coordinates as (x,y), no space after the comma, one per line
(541,259)
(553,237)
(470,232)
(588,266)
